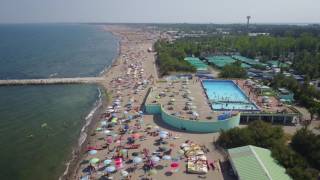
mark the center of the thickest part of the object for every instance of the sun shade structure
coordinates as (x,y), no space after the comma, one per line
(252,163)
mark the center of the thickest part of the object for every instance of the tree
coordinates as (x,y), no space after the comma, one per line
(233,70)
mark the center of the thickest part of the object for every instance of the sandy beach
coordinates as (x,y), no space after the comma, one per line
(122,137)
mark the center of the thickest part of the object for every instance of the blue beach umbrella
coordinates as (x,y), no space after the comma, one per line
(163,136)
(92,152)
(110,169)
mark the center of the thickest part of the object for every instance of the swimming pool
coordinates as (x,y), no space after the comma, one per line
(226,95)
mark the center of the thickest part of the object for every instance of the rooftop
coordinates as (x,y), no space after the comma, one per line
(252,163)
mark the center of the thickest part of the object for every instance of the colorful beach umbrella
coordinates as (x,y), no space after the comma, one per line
(136,136)
(153,172)
(166,157)
(164,132)
(155,159)
(137,160)
(174,165)
(92,152)
(107,161)
(94,160)
(111,169)
(124,173)
(106,131)
(103,123)
(114,120)
(163,136)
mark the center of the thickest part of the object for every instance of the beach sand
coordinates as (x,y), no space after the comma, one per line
(134,44)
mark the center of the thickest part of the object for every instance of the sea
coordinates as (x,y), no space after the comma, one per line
(40,125)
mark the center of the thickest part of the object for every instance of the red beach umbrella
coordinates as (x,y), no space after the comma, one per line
(174,165)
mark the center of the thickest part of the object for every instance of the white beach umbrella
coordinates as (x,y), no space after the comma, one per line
(155,159)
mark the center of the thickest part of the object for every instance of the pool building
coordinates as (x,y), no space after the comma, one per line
(225,95)
(201,105)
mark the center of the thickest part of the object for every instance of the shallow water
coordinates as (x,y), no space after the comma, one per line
(38,126)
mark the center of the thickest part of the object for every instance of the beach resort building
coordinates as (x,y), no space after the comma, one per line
(255,163)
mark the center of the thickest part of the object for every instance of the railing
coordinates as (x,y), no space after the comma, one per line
(203,126)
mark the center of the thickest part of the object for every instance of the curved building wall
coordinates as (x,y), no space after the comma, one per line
(204,126)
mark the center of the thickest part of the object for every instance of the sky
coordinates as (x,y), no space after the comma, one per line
(160,11)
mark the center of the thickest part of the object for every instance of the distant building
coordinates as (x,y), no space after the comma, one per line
(255,163)
(258,34)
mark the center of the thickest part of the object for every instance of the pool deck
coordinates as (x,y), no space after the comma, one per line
(274,106)
(177,89)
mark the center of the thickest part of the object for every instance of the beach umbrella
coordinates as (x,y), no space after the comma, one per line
(174,165)
(109,139)
(163,136)
(153,172)
(103,123)
(164,132)
(92,152)
(110,110)
(106,131)
(114,120)
(180,151)
(155,159)
(107,161)
(124,173)
(136,136)
(110,169)
(91,148)
(123,151)
(94,160)
(137,160)
(166,157)
(85,177)
(195,113)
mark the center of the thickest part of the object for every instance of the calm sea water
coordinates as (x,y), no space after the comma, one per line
(40,124)
(56,50)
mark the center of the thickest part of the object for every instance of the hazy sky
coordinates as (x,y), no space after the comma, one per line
(196,11)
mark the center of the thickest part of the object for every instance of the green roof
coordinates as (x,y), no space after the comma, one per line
(248,60)
(197,63)
(255,163)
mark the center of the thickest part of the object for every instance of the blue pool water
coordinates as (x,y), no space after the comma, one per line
(226,95)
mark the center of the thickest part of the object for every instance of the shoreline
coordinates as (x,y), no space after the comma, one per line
(78,150)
